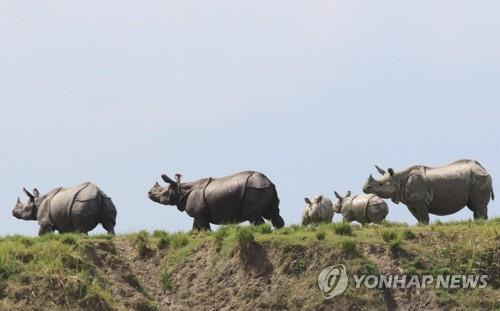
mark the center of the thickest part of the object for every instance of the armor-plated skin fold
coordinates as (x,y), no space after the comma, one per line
(440,191)
(75,209)
(363,208)
(245,196)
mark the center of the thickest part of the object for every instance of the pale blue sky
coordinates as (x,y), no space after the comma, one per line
(312,93)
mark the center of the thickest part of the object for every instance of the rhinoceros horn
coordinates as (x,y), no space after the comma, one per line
(348,194)
(338,196)
(18,200)
(381,171)
(28,194)
(370,178)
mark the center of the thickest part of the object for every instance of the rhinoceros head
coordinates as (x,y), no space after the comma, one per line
(337,207)
(168,195)
(313,206)
(27,211)
(385,187)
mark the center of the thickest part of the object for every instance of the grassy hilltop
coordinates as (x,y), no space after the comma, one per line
(249,268)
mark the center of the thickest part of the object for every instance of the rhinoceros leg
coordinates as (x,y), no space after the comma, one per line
(257,221)
(45,229)
(479,205)
(108,220)
(420,211)
(201,223)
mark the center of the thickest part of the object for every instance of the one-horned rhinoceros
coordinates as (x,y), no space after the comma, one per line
(247,195)
(76,209)
(363,208)
(319,210)
(440,191)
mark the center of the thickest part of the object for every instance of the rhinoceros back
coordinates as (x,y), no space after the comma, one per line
(367,208)
(358,206)
(229,191)
(67,204)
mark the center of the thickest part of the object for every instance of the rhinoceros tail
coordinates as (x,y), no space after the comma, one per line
(273,212)
(108,213)
(492,194)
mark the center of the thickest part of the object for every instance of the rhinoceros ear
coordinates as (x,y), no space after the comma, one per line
(167,179)
(381,171)
(178,178)
(338,196)
(307,200)
(319,199)
(36,193)
(348,194)
(28,194)
(391,171)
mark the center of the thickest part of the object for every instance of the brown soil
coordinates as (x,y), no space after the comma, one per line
(411,299)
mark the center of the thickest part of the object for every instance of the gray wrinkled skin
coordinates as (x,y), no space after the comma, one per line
(440,191)
(363,208)
(76,209)
(245,196)
(318,210)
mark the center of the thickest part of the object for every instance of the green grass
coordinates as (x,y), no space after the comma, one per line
(320,235)
(142,243)
(463,247)
(348,246)
(245,236)
(389,235)
(56,265)
(408,234)
(343,228)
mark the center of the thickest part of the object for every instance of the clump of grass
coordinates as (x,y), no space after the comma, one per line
(220,235)
(166,279)
(26,241)
(179,240)
(142,243)
(320,235)
(392,224)
(348,246)
(408,234)
(244,236)
(69,239)
(8,267)
(394,245)
(160,233)
(163,242)
(285,231)
(369,269)
(264,228)
(295,228)
(343,228)
(389,235)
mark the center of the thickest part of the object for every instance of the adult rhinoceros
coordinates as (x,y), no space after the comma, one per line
(440,191)
(76,209)
(237,198)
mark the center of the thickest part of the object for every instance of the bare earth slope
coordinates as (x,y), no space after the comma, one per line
(248,268)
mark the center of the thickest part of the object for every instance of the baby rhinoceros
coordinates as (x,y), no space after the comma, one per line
(364,208)
(75,209)
(319,210)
